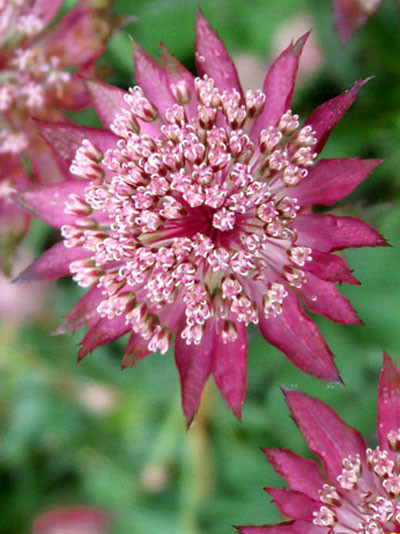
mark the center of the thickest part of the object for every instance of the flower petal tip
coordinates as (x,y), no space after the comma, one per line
(286,391)
(81,354)
(24,276)
(339,381)
(301,41)
(189,421)
(238,414)
(382,242)
(388,364)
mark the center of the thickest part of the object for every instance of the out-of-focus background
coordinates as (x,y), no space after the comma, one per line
(95,436)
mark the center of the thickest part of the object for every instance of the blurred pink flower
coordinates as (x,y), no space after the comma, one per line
(36,60)
(72,520)
(351,14)
(96,397)
(39,63)
(360,489)
(191,213)
(21,302)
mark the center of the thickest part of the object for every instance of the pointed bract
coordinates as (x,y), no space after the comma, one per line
(324,298)
(79,37)
(260,530)
(329,233)
(293,504)
(331,268)
(292,527)
(213,59)
(279,86)
(229,368)
(300,473)
(151,77)
(65,139)
(47,202)
(388,401)
(194,363)
(107,100)
(327,115)
(331,180)
(180,80)
(135,350)
(54,263)
(327,436)
(84,314)
(104,331)
(298,337)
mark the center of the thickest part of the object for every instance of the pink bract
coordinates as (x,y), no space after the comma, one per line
(190,213)
(359,489)
(351,14)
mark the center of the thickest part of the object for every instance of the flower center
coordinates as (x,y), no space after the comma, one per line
(366,498)
(192,210)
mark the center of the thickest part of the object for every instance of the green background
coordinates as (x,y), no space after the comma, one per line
(132,455)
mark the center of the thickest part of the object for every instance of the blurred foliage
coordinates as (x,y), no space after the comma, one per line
(93,435)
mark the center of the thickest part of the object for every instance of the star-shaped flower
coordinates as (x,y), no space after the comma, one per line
(190,213)
(359,488)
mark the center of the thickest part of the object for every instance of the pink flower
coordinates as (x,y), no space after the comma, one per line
(36,60)
(72,520)
(190,213)
(360,489)
(351,14)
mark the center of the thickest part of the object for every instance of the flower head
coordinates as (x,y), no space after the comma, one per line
(190,213)
(36,63)
(360,490)
(39,63)
(351,14)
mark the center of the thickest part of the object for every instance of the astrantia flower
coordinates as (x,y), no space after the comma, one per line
(351,14)
(72,520)
(191,214)
(38,66)
(37,61)
(359,492)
